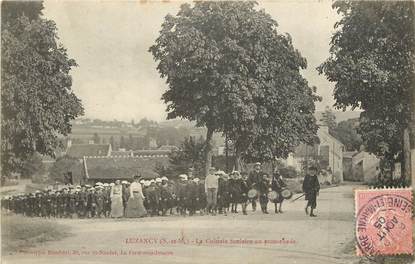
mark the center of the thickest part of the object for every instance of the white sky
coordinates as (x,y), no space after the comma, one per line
(117,77)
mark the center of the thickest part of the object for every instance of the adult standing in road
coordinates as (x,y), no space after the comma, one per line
(211,190)
(117,208)
(135,206)
(254,178)
(311,188)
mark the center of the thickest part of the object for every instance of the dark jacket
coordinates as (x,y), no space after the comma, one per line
(254,179)
(191,190)
(311,184)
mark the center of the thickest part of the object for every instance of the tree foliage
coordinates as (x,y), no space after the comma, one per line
(190,155)
(37,102)
(61,166)
(347,132)
(228,69)
(33,166)
(329,119)
(372,63)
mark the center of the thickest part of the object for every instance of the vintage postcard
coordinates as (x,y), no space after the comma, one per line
(277,131)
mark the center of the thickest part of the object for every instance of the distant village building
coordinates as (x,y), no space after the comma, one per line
(152,143)
(109,169)
(98,162)
(122,153)
(348,174)
(168,147)
(80,150)
(151,152)
(329,154)
(360,166)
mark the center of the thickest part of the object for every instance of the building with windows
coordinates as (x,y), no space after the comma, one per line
(328,153)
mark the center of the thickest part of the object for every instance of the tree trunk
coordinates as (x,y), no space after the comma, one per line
(411,161)
(238,160)
(208,151)
(227,153)
(406,169)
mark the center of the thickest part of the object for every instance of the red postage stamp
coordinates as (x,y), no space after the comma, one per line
(383,221)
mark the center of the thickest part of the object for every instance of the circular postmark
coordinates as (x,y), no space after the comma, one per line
(384,225)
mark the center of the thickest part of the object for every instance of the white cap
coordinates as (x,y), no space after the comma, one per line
(124,182)
(158,179)
(147,183)
(152,181)
(112,184)
(142,181)
(105,184)
(98,184)
(164,178)
(196,180)
(182,176)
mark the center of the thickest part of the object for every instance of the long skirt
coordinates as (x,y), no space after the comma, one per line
(135,207)
(116,206)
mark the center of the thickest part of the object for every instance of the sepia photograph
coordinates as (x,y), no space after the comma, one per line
(164,131)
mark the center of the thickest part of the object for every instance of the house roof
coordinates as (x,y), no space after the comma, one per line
(168,147)
(156,152)
(349,154)
(327,134)
(121,153)
(122,167)
(81,150)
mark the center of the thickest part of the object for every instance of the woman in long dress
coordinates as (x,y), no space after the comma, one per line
(135,206)
(116,200)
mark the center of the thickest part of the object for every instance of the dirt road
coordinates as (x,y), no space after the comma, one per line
(287,238)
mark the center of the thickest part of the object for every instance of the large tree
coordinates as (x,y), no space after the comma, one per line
(372,64)
(328,118)
(228,69)
(37,103)
(189,155)
(347,132)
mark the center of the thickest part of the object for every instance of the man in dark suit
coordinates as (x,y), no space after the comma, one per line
(311,188)
(254,178)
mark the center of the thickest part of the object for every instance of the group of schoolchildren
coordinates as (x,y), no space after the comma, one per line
(82,201)
(160,196)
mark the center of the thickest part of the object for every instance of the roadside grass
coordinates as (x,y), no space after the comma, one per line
(350,249)
(19,232)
